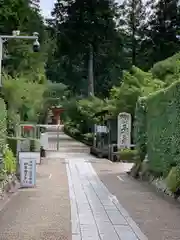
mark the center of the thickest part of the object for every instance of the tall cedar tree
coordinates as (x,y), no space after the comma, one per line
(161,32)
(131,21)
(77,25)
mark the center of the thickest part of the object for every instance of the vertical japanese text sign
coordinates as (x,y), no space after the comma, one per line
(27,169)
(124,130)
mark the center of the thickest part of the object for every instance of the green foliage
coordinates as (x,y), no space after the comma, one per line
(3,124)
(173,179)
(56,94)
(9,160)
(124,97)
(12,143)
(88,137)
(22,96)
(162,31)
(128,155)
(34,145)
(90,106)
(163,114)
(135,84)
(131,17)
(81,24)
(80,116)
(168,70)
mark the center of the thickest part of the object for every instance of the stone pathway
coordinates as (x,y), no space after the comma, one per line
(95,213)
(74,200)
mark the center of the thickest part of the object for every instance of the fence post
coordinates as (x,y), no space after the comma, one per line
(58,129)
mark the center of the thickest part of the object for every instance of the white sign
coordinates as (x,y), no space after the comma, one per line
(30,155)
(27,169)
(44,141)
(101,129)
(124,130)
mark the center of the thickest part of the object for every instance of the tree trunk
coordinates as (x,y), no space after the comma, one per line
(90,72)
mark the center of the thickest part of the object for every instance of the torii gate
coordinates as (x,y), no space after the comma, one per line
(57,114)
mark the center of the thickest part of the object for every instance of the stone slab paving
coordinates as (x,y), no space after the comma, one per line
(95,213)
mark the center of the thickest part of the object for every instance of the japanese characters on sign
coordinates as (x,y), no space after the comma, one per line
(30,155)
(27,169)
(27,173)
(124,130)
(101,129)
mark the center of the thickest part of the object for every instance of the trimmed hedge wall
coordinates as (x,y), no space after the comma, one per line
(163,129)
(140,134)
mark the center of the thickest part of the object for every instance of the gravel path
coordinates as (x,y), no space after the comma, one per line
(42,213)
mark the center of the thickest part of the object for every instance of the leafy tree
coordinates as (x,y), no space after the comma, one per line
(19,15)
(22,98)
(161,32)
(18,54)
(131,21)
(135,83)
(77,26)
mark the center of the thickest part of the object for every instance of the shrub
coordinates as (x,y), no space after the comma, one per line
(88,137)
(128,155)
(34,145)
(167,70)
(173,179)
(9,160)
(12,143)
(163,131)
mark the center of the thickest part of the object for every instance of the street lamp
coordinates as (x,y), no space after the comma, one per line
(16,35)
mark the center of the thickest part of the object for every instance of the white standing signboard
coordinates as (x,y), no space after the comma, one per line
(44,140)
(30,155)
(124,130)
(27,169)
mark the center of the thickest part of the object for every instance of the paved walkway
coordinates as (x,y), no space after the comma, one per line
(156,214)
(95,213)
(79,197)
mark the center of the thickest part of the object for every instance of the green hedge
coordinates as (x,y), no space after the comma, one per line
(128,155)
(163,129)
(140,134)
(12,142)
(3,124)
(173,179)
